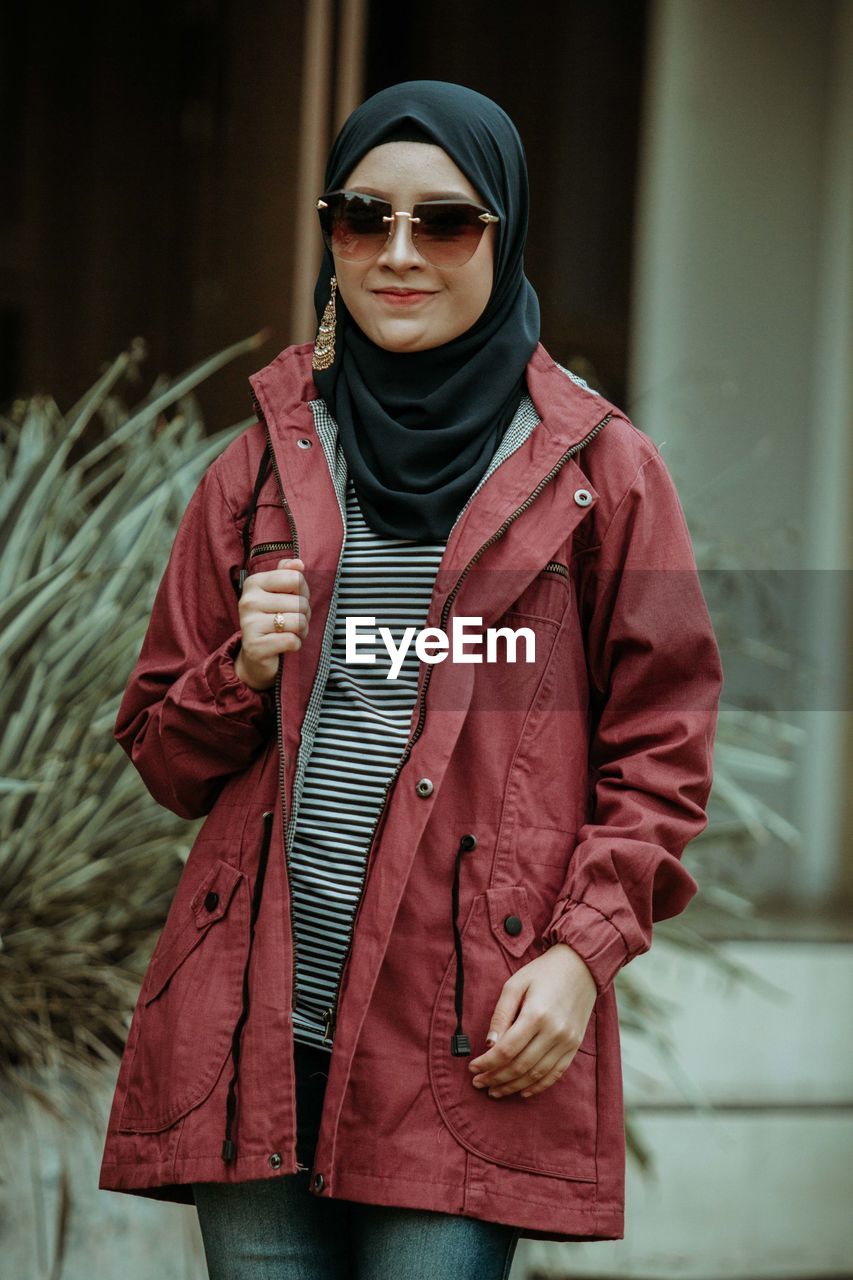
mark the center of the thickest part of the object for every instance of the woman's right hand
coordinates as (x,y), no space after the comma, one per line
(281,590)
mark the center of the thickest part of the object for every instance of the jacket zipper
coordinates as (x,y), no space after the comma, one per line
(294,542)
(555,566)
(263,547)
(331,1014)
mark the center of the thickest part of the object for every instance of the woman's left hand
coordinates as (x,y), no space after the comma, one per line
(539,1021)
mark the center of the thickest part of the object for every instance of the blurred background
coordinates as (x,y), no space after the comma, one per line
(691,174)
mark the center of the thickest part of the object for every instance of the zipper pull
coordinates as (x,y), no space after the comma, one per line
(329,1021)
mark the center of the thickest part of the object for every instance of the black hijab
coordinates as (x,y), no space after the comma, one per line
(419,428)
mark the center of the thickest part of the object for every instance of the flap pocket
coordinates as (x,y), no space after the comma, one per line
(190,1003)
(210,901)
(208,904)
(553,1132)
(510,918)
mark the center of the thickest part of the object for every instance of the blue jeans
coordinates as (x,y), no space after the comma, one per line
(276,1229)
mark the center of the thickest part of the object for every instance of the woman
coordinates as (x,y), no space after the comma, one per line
(378,1035)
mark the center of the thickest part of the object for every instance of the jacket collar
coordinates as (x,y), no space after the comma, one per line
(527,531)
(285,387)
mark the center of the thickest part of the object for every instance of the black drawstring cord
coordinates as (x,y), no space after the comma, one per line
(229,1147)
(460,1045)
(247,523)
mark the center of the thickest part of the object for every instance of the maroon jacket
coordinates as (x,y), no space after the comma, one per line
(582,776)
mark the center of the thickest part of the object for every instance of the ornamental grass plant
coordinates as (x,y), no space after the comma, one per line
(89,505)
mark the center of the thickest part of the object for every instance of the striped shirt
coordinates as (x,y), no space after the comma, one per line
(356,728)
(362,732)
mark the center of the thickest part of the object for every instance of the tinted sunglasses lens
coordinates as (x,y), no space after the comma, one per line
(353,226)
(447,234)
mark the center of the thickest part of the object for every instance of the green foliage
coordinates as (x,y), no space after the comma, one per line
(89,505)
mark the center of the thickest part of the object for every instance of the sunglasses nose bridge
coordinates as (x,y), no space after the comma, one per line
(392,240)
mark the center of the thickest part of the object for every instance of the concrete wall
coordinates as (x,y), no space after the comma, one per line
(741,343)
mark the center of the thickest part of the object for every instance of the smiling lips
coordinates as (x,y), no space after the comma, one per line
(402,297)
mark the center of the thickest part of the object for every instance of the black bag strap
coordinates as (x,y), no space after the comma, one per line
(247,523)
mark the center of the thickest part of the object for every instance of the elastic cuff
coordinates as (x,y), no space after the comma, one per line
(590,933)
(232,696)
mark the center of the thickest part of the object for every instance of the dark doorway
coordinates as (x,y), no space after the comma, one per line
(149,175)
(570,73)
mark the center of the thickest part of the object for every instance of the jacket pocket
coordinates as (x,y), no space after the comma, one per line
(189,1003)
(553,1132)
(547,595)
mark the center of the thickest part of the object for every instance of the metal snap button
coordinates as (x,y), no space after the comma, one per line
(468,842)
(211,902)
(582,497)
(319,1182)
(304,443)
(424,787)
(275,1160)
(513,925)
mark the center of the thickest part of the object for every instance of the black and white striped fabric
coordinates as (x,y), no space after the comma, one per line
(362,732)
(356,728)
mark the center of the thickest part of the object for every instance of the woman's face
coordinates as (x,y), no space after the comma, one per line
(450,299)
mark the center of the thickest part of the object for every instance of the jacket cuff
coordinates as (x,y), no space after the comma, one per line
(592,935)
(232,697)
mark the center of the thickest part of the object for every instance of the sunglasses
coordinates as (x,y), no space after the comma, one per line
(445,232)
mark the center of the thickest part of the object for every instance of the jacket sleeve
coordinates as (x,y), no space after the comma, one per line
(655,679)
(186,720)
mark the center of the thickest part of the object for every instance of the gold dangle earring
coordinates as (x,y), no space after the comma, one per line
(324,343)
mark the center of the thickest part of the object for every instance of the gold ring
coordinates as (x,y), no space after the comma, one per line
(278,622)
